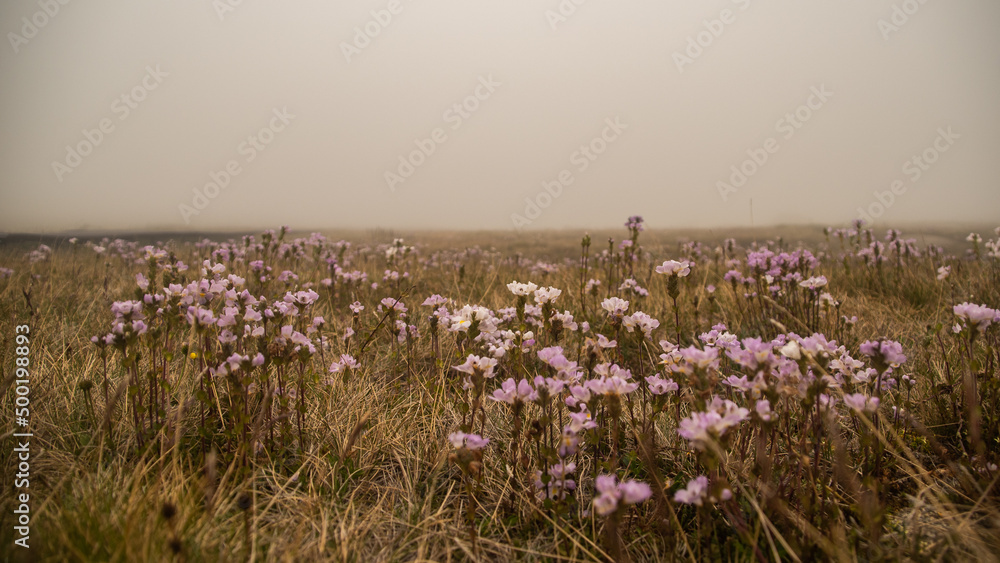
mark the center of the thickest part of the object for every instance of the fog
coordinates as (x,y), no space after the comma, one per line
(229,114)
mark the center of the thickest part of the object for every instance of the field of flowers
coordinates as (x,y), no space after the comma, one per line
(282,397)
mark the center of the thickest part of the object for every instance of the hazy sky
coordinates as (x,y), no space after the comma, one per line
(641,107)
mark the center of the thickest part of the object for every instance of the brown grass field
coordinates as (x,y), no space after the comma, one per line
(141,453)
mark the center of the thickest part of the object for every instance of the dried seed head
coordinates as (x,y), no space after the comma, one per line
(168,511)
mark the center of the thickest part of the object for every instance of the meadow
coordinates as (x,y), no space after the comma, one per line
(796,395)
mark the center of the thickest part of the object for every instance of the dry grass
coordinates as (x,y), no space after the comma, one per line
(374,482)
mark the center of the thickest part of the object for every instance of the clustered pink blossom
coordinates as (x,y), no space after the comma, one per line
(611,494)
(674,268)
(979,317)
(702,428)
(471,442)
